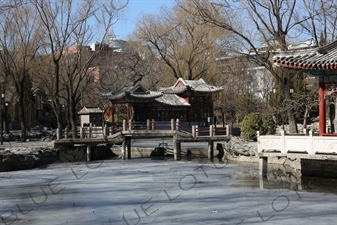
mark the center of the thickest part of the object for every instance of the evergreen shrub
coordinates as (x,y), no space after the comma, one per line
(257,122)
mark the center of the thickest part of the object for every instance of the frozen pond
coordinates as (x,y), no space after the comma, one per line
(144,191)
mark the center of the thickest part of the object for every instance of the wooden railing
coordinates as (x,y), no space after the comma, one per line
(95,132)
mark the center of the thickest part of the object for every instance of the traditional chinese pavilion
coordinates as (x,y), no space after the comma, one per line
(320,62)
(187,100)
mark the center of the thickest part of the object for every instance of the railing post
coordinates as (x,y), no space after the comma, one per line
(110,130)
(124,125)
(148,124)
(66,132)
(105,131)
(283,139)
(57,134)
(211,130)
(193,131)
(172,124)
(81,132)
(258,141)
(90,130)
(311,143)
(152,124)
(177,124)
(306,132)
(130,125)
(228,130)
(196,130)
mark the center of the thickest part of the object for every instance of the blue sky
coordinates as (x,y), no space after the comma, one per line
(132,12)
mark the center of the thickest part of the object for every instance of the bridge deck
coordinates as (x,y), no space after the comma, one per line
(141,134)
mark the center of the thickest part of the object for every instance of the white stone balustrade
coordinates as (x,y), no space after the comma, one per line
(297,144)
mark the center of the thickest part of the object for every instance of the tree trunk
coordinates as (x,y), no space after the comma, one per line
(58,115)
(292,122)
(73,117)
(22,118)
(290,113)
(306,113)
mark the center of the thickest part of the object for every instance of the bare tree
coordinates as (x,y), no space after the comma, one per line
(322,20)
(66,26)
(20,41)
(187,48)
(259,29)
(5,4)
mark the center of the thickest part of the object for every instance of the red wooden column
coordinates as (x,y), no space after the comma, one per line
(322,117)
(112,113)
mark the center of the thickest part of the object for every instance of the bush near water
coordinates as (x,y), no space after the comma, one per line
(257,122)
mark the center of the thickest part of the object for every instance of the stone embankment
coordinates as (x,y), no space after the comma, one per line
(240,151)
(32,154)
(17,155)
(23,157)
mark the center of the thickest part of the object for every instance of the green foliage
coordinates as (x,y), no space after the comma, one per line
(257,122)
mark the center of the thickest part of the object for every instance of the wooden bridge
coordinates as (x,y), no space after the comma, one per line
(178,131)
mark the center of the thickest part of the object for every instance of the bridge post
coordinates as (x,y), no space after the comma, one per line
(152,124)
(172,124)
(196,130)
(124,125)
(263,164)
(126,148)
(177,124)
(176,148)
(148,124)
(88,153)
(129,148)
(210,150)
(130,125)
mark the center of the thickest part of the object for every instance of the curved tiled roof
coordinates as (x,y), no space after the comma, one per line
(195,85)
(173,100)
(321,58)
(173,90)
(137,91)
(150,94)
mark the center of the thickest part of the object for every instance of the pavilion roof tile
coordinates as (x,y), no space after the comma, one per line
(320,58)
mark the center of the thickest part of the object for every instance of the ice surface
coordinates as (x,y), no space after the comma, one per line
(144,191)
